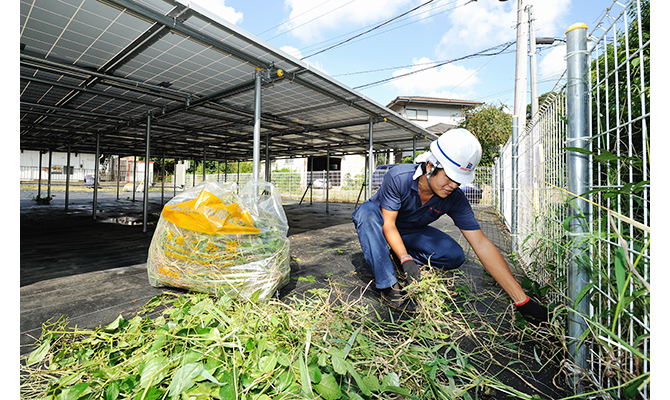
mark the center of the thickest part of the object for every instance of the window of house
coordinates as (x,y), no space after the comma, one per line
(419,115)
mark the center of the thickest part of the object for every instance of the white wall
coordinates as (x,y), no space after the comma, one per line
(31,158)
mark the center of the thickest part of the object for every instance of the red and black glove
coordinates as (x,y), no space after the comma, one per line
(411,269)
(533,312)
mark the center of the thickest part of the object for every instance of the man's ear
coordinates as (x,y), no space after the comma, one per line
(429,167)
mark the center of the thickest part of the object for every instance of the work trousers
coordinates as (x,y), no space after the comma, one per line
(422,243)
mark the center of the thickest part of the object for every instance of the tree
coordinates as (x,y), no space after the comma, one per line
(492,126)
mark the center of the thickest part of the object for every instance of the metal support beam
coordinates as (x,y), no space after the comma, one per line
(145,206)
(371,158)
(327,179)
(134,176)
(39,177)
(515,180)
(578,183)
(163,179)
(95,175)
(49,173)
(67,178)
(118,175)
(267,157)
(414,148)
(257,124)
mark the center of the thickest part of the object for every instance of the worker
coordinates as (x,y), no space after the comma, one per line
(411,197)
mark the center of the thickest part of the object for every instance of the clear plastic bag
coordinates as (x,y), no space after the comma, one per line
(209,239)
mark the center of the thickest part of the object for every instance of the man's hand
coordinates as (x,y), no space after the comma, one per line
(411,270)
(533,312)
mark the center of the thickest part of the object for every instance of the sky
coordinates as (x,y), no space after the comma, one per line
(454,49)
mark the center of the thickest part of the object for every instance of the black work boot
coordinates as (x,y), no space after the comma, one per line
(397,298)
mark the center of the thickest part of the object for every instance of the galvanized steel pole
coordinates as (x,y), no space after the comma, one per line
(413,148)
(267,157)
(145,206)
(533,62)
(118,175)
(371,160)
(327,178)
(67,178)
(578,183)
(163,179)
(134,176)
(521,81)
(95,175)
(515,180)
(39,176)
(257,124)
(49,176)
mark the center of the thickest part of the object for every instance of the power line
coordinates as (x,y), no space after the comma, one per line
(502,48)
(370,30)
(294,18)
(316,45)
(313,19)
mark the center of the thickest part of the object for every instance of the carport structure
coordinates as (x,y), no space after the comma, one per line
(161,78)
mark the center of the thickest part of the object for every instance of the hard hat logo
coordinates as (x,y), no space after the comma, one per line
(457,151)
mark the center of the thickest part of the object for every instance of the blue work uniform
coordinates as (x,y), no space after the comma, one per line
(400,192)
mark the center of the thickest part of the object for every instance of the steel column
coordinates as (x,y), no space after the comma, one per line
(118,175)
(578,183)
(163,179)
(327,177)
(49,175)
(67,178)
(145,206)
(515,180)
(257,124)
(371,159)
(267,158)
(39,176)
(95,175)
(521,80)
(134,176)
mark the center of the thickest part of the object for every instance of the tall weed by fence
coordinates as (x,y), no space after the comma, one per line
(618,247)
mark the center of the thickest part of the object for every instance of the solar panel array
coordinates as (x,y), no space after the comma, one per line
(102,69)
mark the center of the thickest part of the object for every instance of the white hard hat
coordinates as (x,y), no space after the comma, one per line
(457,151)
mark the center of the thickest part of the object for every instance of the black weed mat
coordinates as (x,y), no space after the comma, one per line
(325,255)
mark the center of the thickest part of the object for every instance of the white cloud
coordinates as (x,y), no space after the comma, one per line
(483,24)
(553,64)
(434,82)
(310,19)
(219,8)
(297,54)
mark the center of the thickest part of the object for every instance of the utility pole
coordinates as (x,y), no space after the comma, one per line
(533,62)
(521,80)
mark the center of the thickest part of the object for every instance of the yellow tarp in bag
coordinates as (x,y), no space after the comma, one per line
(207,214)
(209,239)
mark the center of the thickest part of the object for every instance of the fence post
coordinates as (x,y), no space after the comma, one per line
(501,183)
(515,180)
(578,183)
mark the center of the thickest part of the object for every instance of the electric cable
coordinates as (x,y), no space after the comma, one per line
(294,18)
(316,45)
(371,29)
(482,53)
(313,19)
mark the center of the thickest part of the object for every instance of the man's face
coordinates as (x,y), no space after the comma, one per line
(441,185)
